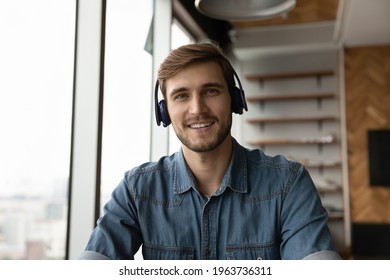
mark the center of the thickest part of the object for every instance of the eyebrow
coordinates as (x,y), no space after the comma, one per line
(205,85)
(177,90)
(212,84)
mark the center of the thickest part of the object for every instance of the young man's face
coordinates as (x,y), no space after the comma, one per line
(199,106)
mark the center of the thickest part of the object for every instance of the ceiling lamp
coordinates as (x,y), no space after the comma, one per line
(243,10)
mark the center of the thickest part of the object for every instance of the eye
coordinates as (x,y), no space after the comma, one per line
(211,91)
(180,96)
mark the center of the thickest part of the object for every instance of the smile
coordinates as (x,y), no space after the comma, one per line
(200,125)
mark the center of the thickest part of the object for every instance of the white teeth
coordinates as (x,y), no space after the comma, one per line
(200,125)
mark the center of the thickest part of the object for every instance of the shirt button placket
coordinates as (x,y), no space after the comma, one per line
(207,231)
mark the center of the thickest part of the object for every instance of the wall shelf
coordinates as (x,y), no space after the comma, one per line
(322,165)
(290,97)
(263,142)
(292,119)
(328,186)
(335,217)
(329,190)
(290,75)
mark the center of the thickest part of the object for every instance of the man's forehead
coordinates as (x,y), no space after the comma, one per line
(199,73)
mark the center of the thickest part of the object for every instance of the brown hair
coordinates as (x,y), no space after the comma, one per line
(194,53)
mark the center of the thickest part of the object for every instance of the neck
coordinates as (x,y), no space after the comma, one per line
(210,167)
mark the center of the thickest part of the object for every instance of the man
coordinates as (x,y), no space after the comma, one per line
(213,199)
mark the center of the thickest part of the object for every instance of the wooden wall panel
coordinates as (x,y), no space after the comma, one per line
(367,80)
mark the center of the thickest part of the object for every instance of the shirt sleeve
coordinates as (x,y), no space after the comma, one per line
(323,255)
(304,229)
(90,255)
(117,234)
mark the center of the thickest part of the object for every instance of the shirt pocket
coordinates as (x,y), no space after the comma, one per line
(158,252)
(264,251)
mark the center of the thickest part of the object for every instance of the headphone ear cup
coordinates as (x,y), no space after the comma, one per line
(163,113)
(238,104)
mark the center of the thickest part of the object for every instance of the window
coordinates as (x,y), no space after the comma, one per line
(36,70)
(127,91)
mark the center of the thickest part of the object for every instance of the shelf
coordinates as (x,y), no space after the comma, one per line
(292,119)
(328,185)
(334,213)
(292,75)
(335,217)
(327,140)
(322,165)
(329,190)
(290,97)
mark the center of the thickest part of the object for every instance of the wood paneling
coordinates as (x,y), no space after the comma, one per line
(367,74)
(305,11)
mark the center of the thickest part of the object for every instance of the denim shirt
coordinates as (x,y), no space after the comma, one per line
(265,208)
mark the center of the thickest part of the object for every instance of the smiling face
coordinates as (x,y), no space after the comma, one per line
(199,106)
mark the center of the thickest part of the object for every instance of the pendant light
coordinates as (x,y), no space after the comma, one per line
(244,10)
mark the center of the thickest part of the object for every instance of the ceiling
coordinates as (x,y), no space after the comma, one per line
(367,23)
(314,25)
(311,25)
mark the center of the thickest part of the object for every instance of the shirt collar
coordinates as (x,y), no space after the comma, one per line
(183,178)
(236,176)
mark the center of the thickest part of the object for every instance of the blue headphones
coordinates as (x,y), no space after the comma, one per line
(161,111)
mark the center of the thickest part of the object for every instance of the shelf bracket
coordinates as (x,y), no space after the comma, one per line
(319,80)
(321,170)
(319,103)
(262,127)
(320,125)
(261,84)
(320,148)
(262,105)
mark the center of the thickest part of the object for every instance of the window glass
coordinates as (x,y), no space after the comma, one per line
(36,70)
(127,91)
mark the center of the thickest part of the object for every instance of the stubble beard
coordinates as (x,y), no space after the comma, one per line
(207,145)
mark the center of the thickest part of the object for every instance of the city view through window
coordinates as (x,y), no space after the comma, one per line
(36,70)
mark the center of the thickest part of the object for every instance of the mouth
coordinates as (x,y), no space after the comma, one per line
(200,125)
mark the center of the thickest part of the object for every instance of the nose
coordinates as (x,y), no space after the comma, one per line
(198,105)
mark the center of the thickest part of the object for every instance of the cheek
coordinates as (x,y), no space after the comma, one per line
(175,113)
(223,108)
